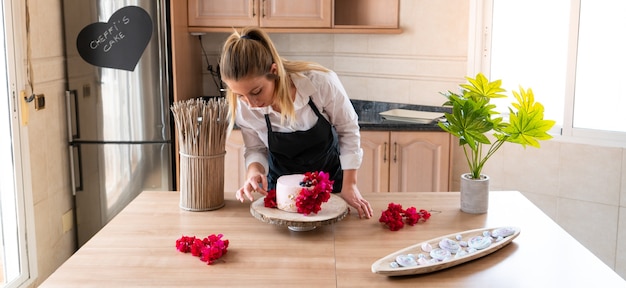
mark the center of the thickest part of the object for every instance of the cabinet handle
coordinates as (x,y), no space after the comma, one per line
(253,10)
(395,152)
(263,9)
(385,153)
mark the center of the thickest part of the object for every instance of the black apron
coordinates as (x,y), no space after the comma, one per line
(316,149)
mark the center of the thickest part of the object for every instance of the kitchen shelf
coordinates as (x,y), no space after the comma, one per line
(341,30)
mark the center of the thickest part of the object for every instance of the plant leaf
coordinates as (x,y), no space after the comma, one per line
(527,125)
(481,88)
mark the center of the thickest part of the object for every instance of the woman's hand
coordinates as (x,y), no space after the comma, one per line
(351,194)
(256,182)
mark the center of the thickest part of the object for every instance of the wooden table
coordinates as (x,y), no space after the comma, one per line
(137,248)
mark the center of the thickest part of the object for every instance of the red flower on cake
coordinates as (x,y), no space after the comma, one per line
(208,249)
(316,189)
(394,215)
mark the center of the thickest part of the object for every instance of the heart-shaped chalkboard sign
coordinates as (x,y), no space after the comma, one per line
(118,43)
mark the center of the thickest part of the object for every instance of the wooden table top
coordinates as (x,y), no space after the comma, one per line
(137,248)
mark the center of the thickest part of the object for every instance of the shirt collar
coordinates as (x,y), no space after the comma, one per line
(304,89)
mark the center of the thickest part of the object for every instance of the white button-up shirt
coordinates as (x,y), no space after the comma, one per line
(331,100)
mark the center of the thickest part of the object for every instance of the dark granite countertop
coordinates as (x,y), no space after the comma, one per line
(370,120)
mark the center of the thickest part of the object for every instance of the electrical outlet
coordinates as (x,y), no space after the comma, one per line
(86,90)
(68,220)
(40,102)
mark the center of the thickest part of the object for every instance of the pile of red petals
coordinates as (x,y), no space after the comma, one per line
(208,249)
(395,217)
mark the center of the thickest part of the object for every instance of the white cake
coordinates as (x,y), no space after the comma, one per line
(287,190)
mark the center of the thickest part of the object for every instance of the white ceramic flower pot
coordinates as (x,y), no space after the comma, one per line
(474,194)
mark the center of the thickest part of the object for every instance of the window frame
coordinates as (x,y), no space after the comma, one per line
(13,12)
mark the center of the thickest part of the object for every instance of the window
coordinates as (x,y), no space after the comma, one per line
(599,99)
(568,52)
(14,265)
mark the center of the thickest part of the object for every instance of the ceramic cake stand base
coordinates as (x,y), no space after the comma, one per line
(332,211)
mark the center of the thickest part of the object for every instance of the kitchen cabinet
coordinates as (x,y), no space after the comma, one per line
(364,14)
(308,16)
(234,165)
(262,13)
(405,161)
(415,161)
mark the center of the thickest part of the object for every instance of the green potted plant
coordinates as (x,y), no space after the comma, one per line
(474,121)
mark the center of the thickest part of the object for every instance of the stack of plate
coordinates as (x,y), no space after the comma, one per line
(419,117)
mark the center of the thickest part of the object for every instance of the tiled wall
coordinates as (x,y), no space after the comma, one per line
(411,67)
(578,185)
(47,140)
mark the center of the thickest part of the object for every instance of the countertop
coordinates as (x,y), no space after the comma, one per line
(369,118)
(137,248)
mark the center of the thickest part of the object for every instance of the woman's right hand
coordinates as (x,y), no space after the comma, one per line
(256,182)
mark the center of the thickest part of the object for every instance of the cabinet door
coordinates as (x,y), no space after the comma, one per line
(223,13)
(367,13)
(373,175)
(419,161)
(234,166)
(301,13)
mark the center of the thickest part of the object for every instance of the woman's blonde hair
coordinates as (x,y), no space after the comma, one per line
(251,53)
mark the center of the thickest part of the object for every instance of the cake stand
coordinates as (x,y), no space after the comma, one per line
(332,211)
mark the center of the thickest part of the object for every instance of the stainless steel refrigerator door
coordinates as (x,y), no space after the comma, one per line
(113,104)
(109,176)
(118,120)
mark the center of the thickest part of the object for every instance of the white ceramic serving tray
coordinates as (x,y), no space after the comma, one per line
(404,115)
(383,265)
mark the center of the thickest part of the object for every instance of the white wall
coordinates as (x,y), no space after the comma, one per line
(413,67)
(578,185)
(47,138)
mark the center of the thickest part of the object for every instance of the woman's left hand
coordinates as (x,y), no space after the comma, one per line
(352,195)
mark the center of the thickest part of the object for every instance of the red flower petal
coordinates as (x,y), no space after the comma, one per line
(393,216)
(316,191)
(208,249)
(270,199)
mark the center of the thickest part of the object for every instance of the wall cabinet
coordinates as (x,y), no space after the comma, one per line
(303,16)
(404,161)
(366,14)
(262,13)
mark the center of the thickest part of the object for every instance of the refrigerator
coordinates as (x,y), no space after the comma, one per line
(118,98)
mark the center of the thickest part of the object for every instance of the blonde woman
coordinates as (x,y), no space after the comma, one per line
(294,116)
